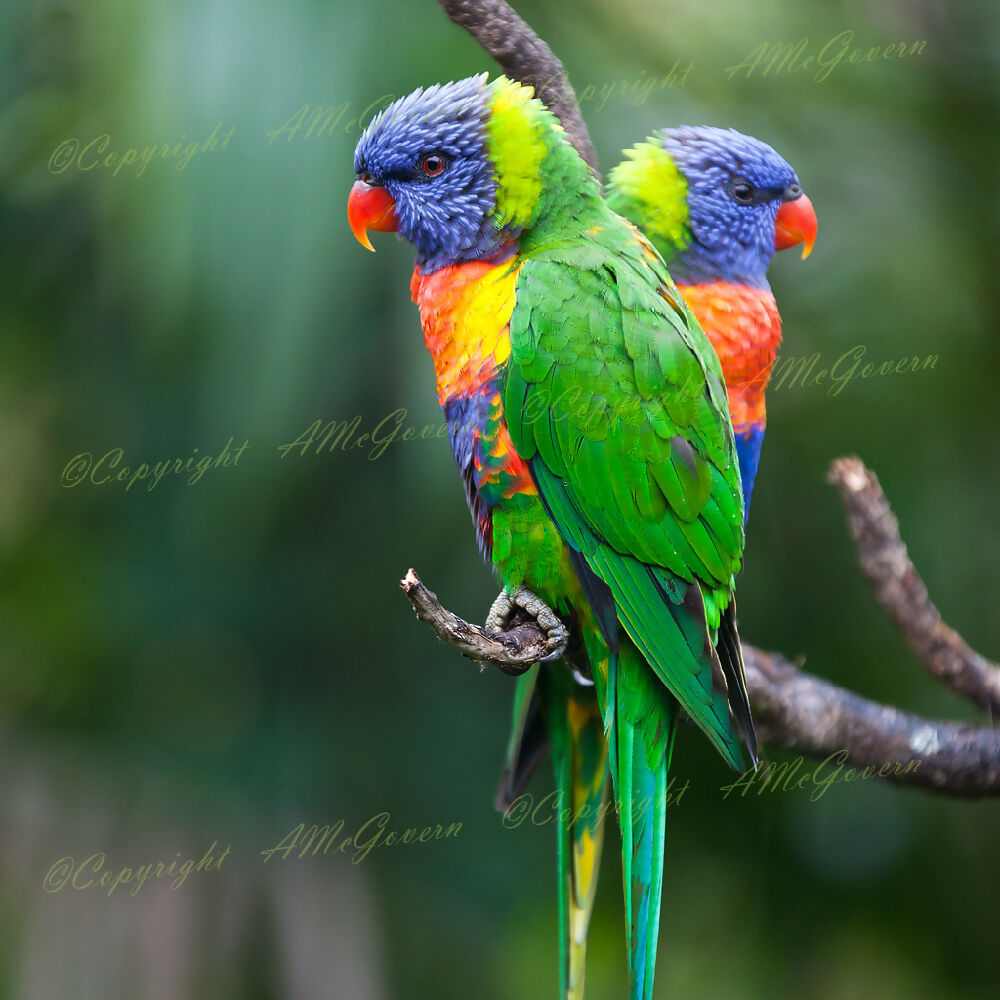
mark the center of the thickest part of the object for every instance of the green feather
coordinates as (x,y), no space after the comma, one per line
(649,506)
(640,477)
(580,760)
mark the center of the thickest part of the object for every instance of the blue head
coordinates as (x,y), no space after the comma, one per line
(461,170)
(427,154)
(716,203)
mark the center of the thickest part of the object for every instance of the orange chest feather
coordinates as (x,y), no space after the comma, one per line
(745,329)
(465,314)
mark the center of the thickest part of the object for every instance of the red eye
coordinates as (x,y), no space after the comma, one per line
(432,165)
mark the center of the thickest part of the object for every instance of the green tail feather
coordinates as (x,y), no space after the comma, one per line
(579,753)
(643,724)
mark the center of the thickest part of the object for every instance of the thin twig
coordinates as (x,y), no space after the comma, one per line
(513,651)
(901,593)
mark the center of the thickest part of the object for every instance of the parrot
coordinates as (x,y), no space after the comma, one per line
(588,417)
(716,204)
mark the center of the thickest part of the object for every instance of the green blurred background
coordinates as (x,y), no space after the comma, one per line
(224,660)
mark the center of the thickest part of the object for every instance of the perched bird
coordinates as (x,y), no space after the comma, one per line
(587,414)
(717,204)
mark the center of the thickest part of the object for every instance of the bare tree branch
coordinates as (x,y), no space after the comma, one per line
(901,593)
(513,651)
(524,57)
(791,708)
(797,710)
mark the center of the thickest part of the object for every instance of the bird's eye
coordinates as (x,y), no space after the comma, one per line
(366,178)
(432,165)
(742,191)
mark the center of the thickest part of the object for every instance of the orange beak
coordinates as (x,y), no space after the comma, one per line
(795,224)
(370,207)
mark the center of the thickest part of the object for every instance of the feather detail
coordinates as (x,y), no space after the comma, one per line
(745,329)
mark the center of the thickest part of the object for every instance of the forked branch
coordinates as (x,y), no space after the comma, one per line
(807,714)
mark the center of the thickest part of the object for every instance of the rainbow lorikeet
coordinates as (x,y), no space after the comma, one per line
(587,414)
(716,204)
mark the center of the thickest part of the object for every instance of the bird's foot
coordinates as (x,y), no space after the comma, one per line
(499,616)
(498,620)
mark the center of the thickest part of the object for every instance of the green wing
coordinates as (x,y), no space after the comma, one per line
(616,399)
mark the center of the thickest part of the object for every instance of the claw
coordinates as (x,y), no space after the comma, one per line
(558,634)
(557,652)
(496,620)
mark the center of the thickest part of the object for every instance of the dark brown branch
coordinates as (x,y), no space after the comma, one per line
(901,593)
(791,708)
(524,57)
(804,713)
(799,711)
